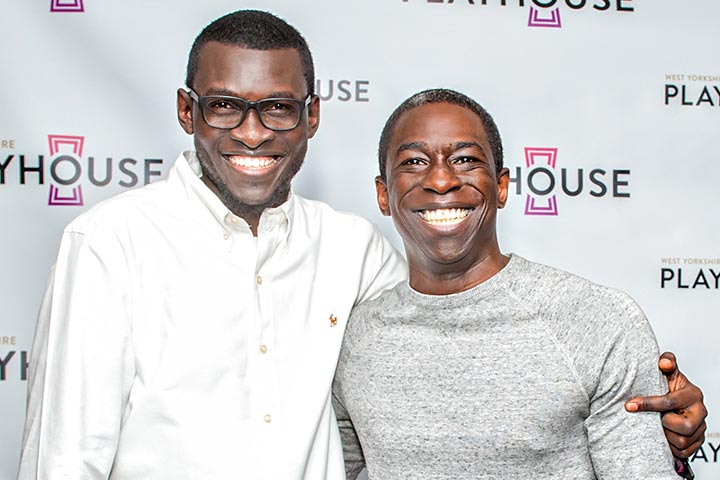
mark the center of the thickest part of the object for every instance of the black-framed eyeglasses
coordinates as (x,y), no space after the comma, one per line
(225,112)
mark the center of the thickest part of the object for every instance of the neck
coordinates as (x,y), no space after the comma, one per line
(252,218)
(433,278)
(250,213)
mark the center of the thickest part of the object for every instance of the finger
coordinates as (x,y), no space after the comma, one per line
(686,423)
(660,403)
(683,446)
(683,441)
(667,363)
(688,451)
(683,394)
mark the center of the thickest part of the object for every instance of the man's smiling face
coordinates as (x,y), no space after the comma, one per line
(442,189)
(249,167)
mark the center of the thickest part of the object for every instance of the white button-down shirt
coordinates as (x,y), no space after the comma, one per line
(172,344)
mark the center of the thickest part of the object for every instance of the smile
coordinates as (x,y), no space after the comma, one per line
(252,163)
(444,216)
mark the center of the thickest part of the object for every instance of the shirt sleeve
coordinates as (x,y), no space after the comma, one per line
(81,364)
(622,444)
(384,267)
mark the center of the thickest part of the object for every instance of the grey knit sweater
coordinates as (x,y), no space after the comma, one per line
(521,377)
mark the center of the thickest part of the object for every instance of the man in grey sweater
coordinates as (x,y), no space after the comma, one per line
(485,365)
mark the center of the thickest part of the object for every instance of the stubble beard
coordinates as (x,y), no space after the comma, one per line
(235,204)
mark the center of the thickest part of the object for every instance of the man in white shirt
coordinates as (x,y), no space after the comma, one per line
(191,328)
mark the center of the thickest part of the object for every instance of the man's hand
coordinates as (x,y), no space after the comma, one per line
(683,411)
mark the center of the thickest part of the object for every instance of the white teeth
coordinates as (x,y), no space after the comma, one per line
(252,162)
(444,216)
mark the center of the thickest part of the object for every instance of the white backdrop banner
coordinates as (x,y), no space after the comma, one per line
(609,111)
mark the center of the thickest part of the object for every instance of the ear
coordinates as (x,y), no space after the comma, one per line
(503,185)
(185,111)
(382,195)
(313,116)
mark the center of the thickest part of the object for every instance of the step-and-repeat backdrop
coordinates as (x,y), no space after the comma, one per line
(609,111)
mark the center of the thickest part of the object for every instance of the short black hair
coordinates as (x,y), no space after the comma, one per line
(441,95)
(254,30)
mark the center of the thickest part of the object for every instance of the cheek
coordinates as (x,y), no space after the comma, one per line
(205,138)
(487,187)
(394,200)
(402,217)
(296,140)
(401,190)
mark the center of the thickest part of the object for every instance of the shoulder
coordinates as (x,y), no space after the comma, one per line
(386,301)
(336,231)
(601,330)
(329,217)
(578,312)
(119,212)
(550,290)
(380,309)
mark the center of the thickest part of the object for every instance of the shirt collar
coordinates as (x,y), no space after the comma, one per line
(189,172)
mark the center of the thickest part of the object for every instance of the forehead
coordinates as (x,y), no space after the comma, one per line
(251,74)
(438,125)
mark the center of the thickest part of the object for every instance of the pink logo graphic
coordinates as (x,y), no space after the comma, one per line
(534,20)
(547,156)
(66,6)
(59,144)
(75,142)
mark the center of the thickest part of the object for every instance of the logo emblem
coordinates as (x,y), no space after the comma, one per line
(534,19)
(333,320)
(540,155)
(75,144)
(67,6)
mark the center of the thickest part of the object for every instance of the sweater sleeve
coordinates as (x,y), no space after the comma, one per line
(621,353)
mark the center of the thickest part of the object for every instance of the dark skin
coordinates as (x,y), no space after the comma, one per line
(441,168)
(683,411)
(443,191)
(226,156)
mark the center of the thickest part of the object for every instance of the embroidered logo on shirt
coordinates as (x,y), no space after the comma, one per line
(333,320)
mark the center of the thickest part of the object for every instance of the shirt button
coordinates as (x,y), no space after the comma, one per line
(259,280)
(267,418)
(263,348)
(226,236)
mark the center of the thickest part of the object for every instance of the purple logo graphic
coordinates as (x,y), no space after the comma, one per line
(75,198)
(547,156)
(66,6)
(60,144)
(534,19)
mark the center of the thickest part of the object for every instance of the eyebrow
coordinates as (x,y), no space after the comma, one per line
(461,145)
(420,145)
(229,93)
(410,146)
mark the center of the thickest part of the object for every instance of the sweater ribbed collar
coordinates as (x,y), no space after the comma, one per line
(499,281)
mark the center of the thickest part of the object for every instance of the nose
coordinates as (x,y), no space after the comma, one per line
(441,178)
(251,132)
